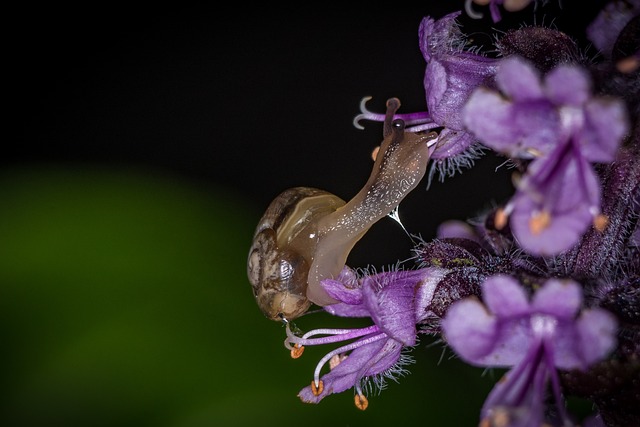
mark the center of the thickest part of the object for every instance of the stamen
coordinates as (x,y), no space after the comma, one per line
(419,124)
(600,222)
(500,218)
(361,401)
(415,122)
(296,351)
(366,114)
(539,222)
(628,65)
(317,387)
(336,360)
(344,349)
(515,5)
(470,11)
(533,151)
(335,335)
(374,153)
(498,418)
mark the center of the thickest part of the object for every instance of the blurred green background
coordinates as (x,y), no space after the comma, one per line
(145,146)
(124,301)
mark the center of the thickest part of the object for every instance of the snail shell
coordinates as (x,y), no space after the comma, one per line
(282,250)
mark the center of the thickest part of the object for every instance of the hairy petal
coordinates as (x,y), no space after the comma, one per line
(368,360)
(392,308)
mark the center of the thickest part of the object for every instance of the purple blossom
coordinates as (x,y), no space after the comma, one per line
(451,75)
(533,337)
(396,303)
(604,30)
(556,201)
(556,123)
(570,128)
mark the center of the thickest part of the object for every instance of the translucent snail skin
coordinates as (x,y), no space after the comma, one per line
(306,234)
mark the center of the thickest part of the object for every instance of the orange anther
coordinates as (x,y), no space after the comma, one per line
(317,389)
(500,219)
(297,351)
(374,153)
(336,360)
(600,222)
(628,65)
(361,401)
(539,222)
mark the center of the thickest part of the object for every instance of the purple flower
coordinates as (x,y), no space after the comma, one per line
(556,123)
(534,337)
(529,117)
(555,203)
(396,303)
(450,77)
(604,30)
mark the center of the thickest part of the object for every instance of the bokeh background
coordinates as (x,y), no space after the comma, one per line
(143,146)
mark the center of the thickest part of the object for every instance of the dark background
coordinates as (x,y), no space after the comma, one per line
(143,146)
(254,99)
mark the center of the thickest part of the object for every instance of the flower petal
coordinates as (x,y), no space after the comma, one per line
(555,203)
(337,290)
(605,124)
(597,329)
(568,85)
(470,329)
(559,298)
(370,359)
(518,79)
(392,307)
(504,296)
(489,116)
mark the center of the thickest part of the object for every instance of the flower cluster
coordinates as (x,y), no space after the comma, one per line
(547,284)
(532,338)
(559,125)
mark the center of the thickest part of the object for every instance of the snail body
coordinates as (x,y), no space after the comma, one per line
(306,234)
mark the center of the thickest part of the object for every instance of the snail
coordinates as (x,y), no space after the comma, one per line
(306,234)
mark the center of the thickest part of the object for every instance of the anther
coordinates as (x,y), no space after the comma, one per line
(336,360)
(296,351)
(628,65)
(374,153)
(317,388)
(361,401)
(500,219)
(600,222)
(539,222)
